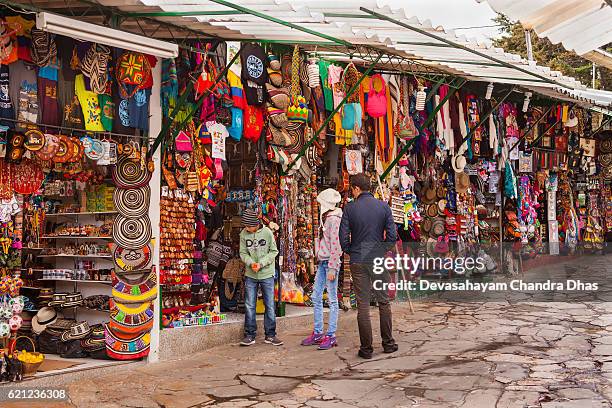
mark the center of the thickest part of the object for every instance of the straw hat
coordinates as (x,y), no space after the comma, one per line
(437,227)
(43,318)
(462,182)
(426,225)
(458,162)
(432,210)
(429,195)
(441,206)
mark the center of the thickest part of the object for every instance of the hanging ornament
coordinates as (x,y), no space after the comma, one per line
(489,91)
(420,99)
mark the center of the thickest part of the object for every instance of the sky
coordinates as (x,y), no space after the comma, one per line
(453,14)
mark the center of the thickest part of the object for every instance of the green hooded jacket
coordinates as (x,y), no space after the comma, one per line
(258,247)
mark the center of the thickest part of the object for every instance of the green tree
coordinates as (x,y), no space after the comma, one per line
(552,55)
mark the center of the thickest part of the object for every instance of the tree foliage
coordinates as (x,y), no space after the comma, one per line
(552,55)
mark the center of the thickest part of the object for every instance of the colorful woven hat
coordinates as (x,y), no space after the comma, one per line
(132,259)
(128,173)
(77,331)
(135,292)
(64,151)
(132,202)
(50,148)
(605,146)
(34,140)
(58,299)
(132,233)
(437,227)
(126,349)
(131,319)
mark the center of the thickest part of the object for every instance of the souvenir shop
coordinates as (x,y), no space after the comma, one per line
(78,283)
(102,219)
(494,164)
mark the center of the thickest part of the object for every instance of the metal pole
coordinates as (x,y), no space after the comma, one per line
(331,115)
(529,46)
(429,119)
(459,46)
(536,123)
(282,22)
(485,117)
(162,133)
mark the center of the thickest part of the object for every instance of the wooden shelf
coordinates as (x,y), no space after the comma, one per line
(77,280)
(81,213)
(75,256)
(73,237)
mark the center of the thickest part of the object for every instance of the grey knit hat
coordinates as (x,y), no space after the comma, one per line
(250,218)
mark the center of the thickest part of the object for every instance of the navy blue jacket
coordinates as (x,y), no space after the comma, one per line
(363,226)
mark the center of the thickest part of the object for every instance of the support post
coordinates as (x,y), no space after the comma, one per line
(427,122)
(182,99)
(459,46)
(331,115)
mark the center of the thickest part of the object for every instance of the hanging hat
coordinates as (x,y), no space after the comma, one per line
(131,319)
(128,173)
(132,259)
(49,149)
(429,196)
(328,199)
(605,159)
(426,225)
(462,182)
(458,162)
(43,318)
(64,150)
(250,218)
(605,146)
(441,206)
(432,210)
(45,293)
(437,227)
(132,202)
(77,331)
(34,140)
(440,192)
(132,233)
(61,324)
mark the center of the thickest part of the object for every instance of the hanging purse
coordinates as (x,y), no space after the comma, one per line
(298,110)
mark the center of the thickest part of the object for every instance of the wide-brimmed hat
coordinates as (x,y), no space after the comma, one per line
(43,318)
(132,259)
(132,202)
(61,324)
(45,293)
(132,233)
(429,196)
(605,146)
(73,299)
(458,162)
(128,173)
(77,331)
(462,182)
(437,227)
(426,225)
(95,340)
(58,299)
(441,206)
(432,210)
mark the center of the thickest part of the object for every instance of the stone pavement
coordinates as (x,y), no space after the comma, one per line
(451,354)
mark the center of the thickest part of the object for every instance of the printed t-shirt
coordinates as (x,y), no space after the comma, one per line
(107,109)
(89,105)
(334,79)
(327,91)
(23,92)
(218,134)
(70,107)
(138,109)
(6,107)
(48,104)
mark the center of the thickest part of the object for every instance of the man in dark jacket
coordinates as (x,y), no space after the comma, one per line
(367,231)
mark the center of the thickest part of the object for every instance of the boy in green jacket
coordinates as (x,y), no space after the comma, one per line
(258,252)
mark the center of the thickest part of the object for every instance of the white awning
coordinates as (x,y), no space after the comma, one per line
(582,26)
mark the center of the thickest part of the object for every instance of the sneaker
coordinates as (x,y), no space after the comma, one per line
(248,341)
(328,343)
(390,349)
(314,338)
(275,341)
(365,355)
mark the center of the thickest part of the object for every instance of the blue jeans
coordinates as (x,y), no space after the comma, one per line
(321,282)
(250,302)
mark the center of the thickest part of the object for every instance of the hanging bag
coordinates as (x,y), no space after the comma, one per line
(405,128)
(297,111)
(377,99)
(132,69)
(95,67)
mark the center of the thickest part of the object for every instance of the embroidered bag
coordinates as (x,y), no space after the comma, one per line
(95,66)
(132,68)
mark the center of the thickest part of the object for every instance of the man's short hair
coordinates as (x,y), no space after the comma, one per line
(361,181)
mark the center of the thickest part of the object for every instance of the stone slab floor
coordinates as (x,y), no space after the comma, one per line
(451,354)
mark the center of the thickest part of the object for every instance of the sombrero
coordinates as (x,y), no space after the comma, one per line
(132,233)
(131,319)
(432,210)
(132,202)
(441,206)
(142,291)
(77,150)
(429,195)
(132,259)
(605,146)
(120,349)
(458,162)
(426,225)
(437,227)
(605,159)
(441,192)
(462,182)
(128,173)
